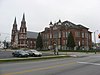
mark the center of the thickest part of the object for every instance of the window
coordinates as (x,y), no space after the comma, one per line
(43,36)
(86,35)
(21,30)
(22,42)
(77,34)
(24,30)
(31,42)
(55,35)
(82,34)
(22,36)
(82,42)
(89,36)
(47,36)
(67,33)
(13,32)
(50,35)
(59,35)
(64,42)
(64,34)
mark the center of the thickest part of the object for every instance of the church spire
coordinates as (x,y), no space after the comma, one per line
(23,19)
(15,21)
(15,25)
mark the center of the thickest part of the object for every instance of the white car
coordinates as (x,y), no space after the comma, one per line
(34,53)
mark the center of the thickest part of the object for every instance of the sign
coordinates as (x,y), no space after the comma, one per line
(99,36)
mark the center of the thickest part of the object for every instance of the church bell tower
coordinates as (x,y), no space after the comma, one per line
(23,33)
(14,34)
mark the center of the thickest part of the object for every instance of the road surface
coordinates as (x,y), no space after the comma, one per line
(84,65)
(8,54)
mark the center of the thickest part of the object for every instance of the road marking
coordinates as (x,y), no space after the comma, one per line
(96,56)
(73,55)
(88,63)
(38,69)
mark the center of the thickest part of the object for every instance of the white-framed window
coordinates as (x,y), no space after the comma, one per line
(67,33)
(86,35)
(77,34)
(82,34)
(83,42)
(64,42)
(55,35)
(50,35)
(59,34)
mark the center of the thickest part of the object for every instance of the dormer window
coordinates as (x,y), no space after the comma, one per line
(54,28)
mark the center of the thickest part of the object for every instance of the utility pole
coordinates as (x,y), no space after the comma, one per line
(87,42)
(95,40)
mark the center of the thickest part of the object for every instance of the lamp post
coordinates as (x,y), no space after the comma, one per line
(51,38)
(87,42)
(54,48)
(95,40)
(5,43)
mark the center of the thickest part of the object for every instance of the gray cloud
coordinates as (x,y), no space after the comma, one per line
(40,12)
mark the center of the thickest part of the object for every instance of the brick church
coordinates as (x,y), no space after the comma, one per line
(22,38)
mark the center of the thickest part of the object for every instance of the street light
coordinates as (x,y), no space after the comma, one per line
(54,48)
(5,43)
(95,40)
(87,41)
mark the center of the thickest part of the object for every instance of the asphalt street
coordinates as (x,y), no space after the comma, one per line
(87,65)
(8,54)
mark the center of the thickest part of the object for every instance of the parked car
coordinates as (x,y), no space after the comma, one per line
(34,53)
(20,53)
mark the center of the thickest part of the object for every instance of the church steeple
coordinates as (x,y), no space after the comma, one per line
(15,25)
(23,27)
(23,33)
(23,22)
(15,21)
(14,32)
(23,19)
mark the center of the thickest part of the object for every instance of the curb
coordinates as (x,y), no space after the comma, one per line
(32,59)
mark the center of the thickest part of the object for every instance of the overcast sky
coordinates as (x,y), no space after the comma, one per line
(38,13)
